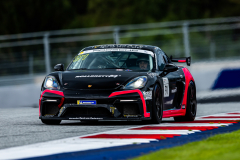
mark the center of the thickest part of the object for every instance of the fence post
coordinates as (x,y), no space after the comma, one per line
(116,35)
(47,52)
(212,50)
(30,64)
(186,39)
(69,58)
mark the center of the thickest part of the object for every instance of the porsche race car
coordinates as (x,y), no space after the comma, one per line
(119,82)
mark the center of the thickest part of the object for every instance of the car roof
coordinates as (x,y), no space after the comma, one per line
(128,46)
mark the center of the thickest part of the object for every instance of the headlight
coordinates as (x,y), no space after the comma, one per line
(136,83)
(51,83)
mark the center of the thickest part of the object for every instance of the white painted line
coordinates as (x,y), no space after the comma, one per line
(224,119)
(64,146)
(82,144)
(182,132)
(194,124)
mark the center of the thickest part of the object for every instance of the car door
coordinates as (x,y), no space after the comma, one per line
(170,83)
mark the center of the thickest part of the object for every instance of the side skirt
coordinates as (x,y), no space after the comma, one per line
(174,113)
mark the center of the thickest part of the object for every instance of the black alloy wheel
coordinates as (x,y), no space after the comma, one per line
(157,107)
(191,108)
(51,122)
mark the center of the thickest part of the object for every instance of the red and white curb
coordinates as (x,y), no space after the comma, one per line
(133,135)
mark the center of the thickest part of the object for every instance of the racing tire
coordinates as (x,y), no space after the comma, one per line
(157,107)
(51,122)
(191,109)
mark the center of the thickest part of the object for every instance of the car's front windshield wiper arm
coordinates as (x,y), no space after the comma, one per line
(114,68)
(78,69)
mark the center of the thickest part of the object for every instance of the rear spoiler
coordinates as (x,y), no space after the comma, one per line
(181,60)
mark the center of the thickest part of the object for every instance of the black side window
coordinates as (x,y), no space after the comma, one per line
(165,58)
(161,60)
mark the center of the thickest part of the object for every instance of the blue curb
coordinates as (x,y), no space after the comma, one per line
(130,151)
(228,78)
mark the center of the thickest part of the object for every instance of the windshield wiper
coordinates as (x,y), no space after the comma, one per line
(114,68)
(78,69)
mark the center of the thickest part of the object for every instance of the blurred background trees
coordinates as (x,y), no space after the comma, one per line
(21,16)
(27,16)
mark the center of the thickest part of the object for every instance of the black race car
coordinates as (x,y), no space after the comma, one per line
(119,82)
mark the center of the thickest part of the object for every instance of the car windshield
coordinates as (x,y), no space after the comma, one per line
(132,59)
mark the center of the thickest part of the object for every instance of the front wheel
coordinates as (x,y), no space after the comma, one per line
(157,107)
(51,122)
(191,109)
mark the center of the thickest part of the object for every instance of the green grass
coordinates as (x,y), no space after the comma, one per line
(219,147)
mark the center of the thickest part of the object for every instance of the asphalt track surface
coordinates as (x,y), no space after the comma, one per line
(21,126)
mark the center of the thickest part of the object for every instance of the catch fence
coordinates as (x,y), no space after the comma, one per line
(29,54)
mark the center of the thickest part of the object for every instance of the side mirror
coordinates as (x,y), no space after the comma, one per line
(170,68)
(59,67)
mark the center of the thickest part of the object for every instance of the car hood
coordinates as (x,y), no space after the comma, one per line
(95,79)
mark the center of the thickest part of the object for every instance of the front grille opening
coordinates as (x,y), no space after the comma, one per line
(87,112)
(50,109)
(128,109)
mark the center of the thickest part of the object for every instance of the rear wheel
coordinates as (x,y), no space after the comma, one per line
(157,107)
(51,122)
(191,109)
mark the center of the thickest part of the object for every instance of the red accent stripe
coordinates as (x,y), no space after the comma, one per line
(201,128)
(188,78)
(50,91)
(61,102)
(233,113)
(209,121)
(133,91)
(54,92)
(131,136)
(174,113)
(222,117)
(181,61)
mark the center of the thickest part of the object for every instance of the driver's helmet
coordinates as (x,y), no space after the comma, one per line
(145,59)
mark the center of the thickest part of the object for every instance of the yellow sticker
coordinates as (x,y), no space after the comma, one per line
(81,52)
(112,109)
(81,57)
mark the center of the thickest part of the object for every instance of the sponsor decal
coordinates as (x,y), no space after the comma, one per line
(48,115)
(128,70)
(130,115)
(119,46)
(169,102)
(80,57)
(152,74)
(166,87)
(112,109)
(86,102)
(81,118)
(118,49)
(174,90)
(99,76)
(147,95)
(119,69)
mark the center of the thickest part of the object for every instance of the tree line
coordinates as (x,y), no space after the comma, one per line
(22,16)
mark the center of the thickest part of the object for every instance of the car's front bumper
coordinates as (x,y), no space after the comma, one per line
(119,105)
